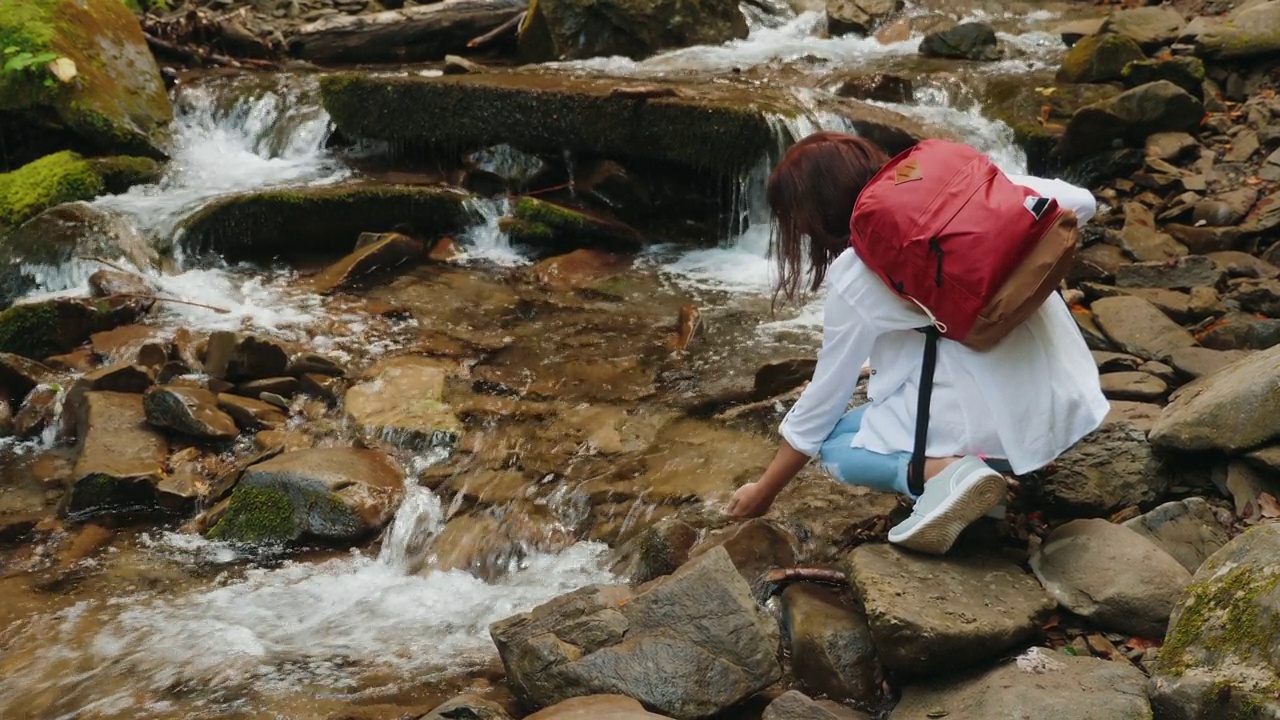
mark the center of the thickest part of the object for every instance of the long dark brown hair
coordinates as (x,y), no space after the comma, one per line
(811,195)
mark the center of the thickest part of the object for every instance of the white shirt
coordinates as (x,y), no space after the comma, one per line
(1028,399)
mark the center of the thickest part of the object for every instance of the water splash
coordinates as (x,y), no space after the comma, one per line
(485,241)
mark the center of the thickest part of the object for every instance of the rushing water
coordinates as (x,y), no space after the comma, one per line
(200,631)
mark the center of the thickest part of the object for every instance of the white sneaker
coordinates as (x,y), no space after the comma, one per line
(954,498)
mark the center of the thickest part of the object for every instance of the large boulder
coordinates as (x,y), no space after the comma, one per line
(1252,30)
(1037,684)
(832,654)
(1186,529)
(322,219)
(115,103)
(966,41)
(65,177)
(1098,58)
(330,495)
(120,457)
(1021,106)
(859,17)
(1221,657)
(1150,27)
(1234,409)
(688,645)
(45,254)
(577,29)
(1110,575)
(1129,118)
(930,614)
(1111,468)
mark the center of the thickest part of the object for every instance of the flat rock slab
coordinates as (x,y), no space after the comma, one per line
(596,707)
(930,614)
(401,402)
(189,411)
(1186,529)
(688,645)
(710,128)
(795,705)
(1038,684)
(1110,575)
(1139,328)
(120,455)
(1236,408)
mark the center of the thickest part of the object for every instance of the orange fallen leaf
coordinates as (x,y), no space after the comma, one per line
(1268,506)
(1141,643)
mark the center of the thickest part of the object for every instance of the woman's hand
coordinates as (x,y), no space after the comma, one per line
(751,500)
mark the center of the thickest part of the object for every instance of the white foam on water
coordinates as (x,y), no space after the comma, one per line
(485,241)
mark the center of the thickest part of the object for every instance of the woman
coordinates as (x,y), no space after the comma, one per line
(1013,408)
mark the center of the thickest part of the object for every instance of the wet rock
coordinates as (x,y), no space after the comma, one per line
(401,402)
(795,705)
(1098,58)
(883,87)
(467,707)
(1110,468)
(578,269)
(1150,27)
(1139,328)
(1224,210)
(1037,684)
(1185,72)
(118,377)
(931,614)
(562,30)
(119,456)
(105,283)
(328,387)
(1219,657)
(254,358)
(369,263)
(779,377)
(1129,118)
(1198,362)
(312,363)
(688,645)
(1133,386)
(40,329)
(1074,31)
(555,228)
(1232,410)
(1186,529)
(268,223)
(714,128)
(38,411)
(755,547)
(831,649)
(858,17)
(1171,146)
(1183,273)
(280,386)
(249,414)
(48,252)
(1097,262)
(189,411)
(656,550)
(121,343)
(591,707)
(1249,31)
(1257,296)
(1111,576)
(1141,415)
(401,35)
(117,102)
(20,375)
(1141,240)
(966,41)
(323,494)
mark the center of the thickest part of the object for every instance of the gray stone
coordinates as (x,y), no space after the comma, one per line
(966,41)
(1142,240)
(687,645)
(467,707)
(832,654)
(1150,27)
(1186,529)
(859,17)
(932,614)
(794,705)
(1038,684)
(1111,576)
(1198,362)
(190,411)
(595,707)
(1129,118)
(1246,483)
(1170,146)
(1221,657)
(1182,274)
(1140,415)
(1139,328)
(1234,409)
(1249,31)
(1110,468)
(1138,386)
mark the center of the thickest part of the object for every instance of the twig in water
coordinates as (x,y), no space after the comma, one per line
(108,263)
(157,298)
(497,32)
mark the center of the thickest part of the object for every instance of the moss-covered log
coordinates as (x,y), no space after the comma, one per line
(319,219)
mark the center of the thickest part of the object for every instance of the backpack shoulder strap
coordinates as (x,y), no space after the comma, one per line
(915,477)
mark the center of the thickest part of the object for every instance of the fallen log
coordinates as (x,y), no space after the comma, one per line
(422,33)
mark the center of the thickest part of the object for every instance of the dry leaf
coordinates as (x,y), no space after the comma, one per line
(1268,505)
(1140,643)
(64,69)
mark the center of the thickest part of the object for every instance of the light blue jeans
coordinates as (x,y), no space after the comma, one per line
(878,471)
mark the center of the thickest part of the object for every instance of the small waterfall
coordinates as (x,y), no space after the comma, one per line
(485,240)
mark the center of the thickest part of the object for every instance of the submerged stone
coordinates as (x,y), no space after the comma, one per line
(369,262)
(120,457)
(578,29)
(401,402)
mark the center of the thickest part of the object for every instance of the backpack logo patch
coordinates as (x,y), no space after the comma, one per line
(907,172)
(1036,206)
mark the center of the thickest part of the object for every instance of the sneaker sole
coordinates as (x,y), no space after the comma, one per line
(978,494)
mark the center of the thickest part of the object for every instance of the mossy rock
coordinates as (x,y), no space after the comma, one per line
(1020,103)
(1099,58)
(117,101)
(556,229)
(1185,72)
(38,330)
(308,220)
(1127,119)
(65,177)
(710,128)
(1221,656)
(577,29)
(1252,31)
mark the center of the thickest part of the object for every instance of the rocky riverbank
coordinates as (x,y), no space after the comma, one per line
(581,399)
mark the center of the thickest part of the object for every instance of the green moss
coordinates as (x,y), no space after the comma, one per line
(51,180)
(29,330)
(524,232)
(1099,58)
(1186,72)
(99,494)
(553,227)
(257,515)
(123,172)
(320,219)
(1021,104)
(1222,616)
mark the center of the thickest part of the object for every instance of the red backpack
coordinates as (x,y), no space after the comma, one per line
(945,228)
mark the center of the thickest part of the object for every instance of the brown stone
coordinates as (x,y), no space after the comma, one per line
(368,263)
(190,411)
(120,457)
(1139,328)
(250,414)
